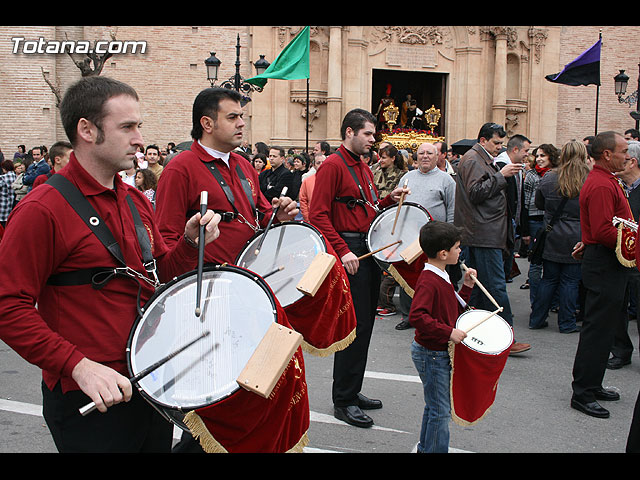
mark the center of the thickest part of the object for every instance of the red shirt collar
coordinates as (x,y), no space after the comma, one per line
(85,182)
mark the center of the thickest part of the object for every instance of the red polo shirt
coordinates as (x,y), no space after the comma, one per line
(179,188)
(334,180)
(601,199)
(435,310)
(45,236)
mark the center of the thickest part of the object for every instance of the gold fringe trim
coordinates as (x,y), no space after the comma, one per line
(621,259)
(201,433)
(401,281)
(211,445)
(330,350)
(454,416)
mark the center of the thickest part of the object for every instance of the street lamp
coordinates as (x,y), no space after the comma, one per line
(236,82)
(620,81)
(213,64)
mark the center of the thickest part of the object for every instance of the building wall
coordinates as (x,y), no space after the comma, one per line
(171,73)
(576,117)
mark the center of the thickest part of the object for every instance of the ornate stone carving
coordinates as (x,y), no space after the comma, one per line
(413,35)
(537,40)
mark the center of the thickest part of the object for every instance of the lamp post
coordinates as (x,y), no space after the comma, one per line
(235,82)
(620,81)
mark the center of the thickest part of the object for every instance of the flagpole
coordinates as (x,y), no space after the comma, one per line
(306,149)
(598,92)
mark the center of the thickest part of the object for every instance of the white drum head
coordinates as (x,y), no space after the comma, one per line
(290,245)
(410,220)
(491,337)
(236,310)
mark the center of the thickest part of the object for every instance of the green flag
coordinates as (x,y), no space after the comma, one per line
(291,64)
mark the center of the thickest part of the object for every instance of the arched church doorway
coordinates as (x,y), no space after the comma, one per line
(425,88)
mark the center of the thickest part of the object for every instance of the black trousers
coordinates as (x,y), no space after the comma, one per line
(349,364)
(622,344)
(606,295)
(131,427)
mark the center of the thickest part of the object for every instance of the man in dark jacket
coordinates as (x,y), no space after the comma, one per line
(481,211)
(272,181)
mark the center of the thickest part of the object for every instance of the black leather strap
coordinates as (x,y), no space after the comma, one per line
(92,219)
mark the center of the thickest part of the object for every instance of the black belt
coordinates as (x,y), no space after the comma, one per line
(356,235)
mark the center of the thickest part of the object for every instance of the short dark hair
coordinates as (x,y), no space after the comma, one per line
(518,141)
(58,149)
(356,119)
(7,165)
(488,130)
(436,235)
(207,103)
(633,132)
(86,99)
(603,141)
(153,147)
(325,147)
(279,149)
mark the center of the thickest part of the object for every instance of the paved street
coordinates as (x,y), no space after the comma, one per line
(531,413)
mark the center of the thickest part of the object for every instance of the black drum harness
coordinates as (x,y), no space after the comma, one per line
(98,277)
(235,215)
(352,202)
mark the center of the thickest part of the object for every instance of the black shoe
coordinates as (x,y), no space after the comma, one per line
(591,408)
(571,330)
(368,403)
(538,327)
(403,325)
(607,395)
(353,416)
(615,363)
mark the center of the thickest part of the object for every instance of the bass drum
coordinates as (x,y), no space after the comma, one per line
(285,255)
(237,310)
(410,220)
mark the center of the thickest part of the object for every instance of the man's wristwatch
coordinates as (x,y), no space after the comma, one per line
(189,241)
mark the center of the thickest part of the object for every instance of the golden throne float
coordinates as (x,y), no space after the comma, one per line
(407,137)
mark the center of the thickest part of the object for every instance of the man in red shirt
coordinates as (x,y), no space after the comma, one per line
(59,154)
(343,211)
(217,130)
(78,334)
(604,277)
(231,182)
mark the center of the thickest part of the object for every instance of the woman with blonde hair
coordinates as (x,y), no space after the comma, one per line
(558,195)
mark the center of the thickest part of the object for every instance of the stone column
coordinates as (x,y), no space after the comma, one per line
(334,90)
(499,106)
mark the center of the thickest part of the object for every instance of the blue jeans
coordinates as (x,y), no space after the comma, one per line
(489,264)
(434,368)
(535,271)
(562,279)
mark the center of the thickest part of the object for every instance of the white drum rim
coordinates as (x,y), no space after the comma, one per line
(379,256)
(496,317)
(149,307)
(247,249)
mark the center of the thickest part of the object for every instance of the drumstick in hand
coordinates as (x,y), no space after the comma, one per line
(482,320)
(486,292)
(273,215)
(406,182)
(90,407)
(203,209)
(379,249)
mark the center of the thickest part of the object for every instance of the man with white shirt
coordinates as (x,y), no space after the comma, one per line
(435,190)
(516,152)
(211,165)
(481,211)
